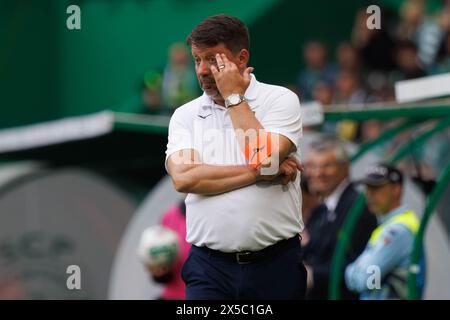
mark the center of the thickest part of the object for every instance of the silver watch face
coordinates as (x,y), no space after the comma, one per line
(234,99)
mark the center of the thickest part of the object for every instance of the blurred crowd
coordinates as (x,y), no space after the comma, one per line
(162,91)
(410,44)
(382,235)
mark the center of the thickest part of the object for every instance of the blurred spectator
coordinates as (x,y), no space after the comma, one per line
(160,93)
(349,89)
(150,94)
(370,130)
(375,46)
(347,57)
(316,70)
(442,64)
(327,168)
(408,63)
(323,93)
(425,32)
(444,17)
(411,16)
(179,82)
(148,98)
(380,88)
(310,204)
(310,199)
(390,244)
(175,219)
(174,288)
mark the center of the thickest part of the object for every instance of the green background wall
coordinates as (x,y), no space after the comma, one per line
(29,62)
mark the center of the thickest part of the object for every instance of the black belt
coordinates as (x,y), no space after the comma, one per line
(245,257)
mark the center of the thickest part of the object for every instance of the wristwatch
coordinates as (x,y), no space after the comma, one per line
(233,100)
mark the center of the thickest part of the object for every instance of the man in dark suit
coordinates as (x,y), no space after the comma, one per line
(327,168)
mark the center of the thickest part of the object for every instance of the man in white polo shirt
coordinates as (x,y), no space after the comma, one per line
(233,150)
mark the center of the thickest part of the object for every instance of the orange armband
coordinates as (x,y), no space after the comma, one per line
(259,149)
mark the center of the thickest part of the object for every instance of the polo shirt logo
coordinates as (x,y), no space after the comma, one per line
(255,151)
(204,117)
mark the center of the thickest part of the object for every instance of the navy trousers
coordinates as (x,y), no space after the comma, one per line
(281,276)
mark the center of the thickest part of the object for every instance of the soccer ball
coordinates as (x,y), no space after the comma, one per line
(158,247)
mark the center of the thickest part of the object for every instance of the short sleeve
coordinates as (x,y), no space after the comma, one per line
(180,136)
(283,117)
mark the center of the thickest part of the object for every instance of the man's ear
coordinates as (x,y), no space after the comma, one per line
(243,58)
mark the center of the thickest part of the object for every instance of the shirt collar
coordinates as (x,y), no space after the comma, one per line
(250,94)
(252,91)
(385,217)
(332,200)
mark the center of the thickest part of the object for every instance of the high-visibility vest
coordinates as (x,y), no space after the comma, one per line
(407,218)
(396,279)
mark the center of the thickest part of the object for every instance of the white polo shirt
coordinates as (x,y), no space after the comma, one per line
(249,218)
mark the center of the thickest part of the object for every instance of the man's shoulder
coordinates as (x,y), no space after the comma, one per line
(401,226)
(188,109)
(396,232)
(276,90)
(191,105)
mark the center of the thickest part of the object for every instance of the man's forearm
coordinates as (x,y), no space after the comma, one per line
(243,117)
(210,179)
(244,121)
